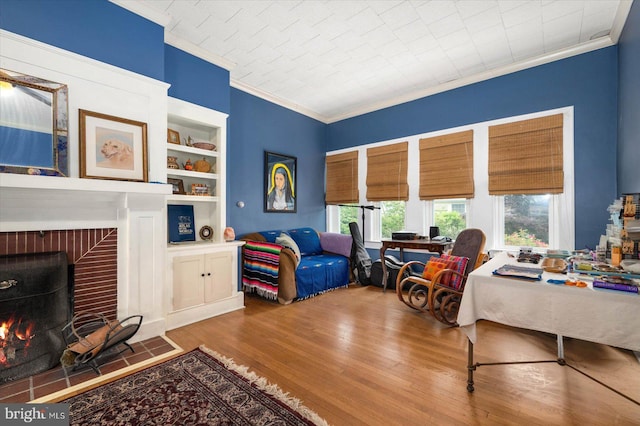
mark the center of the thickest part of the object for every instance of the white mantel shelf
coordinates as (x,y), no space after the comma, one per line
(49,202)
(47,184)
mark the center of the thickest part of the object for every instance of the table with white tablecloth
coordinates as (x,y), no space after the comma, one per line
(603,316)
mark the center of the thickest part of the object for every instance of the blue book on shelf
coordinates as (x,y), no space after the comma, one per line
(181,223)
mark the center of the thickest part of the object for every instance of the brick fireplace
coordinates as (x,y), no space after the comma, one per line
(94,254)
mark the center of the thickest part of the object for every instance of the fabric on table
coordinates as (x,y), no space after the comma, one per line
(603,316)
(260,268)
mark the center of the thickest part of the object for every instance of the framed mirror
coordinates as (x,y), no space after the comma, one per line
(34,132)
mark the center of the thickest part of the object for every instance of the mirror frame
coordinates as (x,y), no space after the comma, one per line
(60,130)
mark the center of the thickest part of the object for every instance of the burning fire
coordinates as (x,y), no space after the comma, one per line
(14,335)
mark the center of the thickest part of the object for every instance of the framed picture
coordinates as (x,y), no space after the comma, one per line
(279,183)
(112,147)
(173,136)
(178,185)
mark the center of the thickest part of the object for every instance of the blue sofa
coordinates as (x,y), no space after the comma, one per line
(295,264)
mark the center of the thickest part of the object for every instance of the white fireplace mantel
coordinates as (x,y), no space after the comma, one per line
(36,203)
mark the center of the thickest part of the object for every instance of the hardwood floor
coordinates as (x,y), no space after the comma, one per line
(358,356)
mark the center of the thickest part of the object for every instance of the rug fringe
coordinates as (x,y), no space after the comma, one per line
(262,384)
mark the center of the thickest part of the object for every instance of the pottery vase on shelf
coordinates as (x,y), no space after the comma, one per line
(172,162)
(202,166)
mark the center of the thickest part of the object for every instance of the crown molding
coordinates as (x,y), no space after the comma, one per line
(197,51)
(278,101)
(138,8)
(620,19)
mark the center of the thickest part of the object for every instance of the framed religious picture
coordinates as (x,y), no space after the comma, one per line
(279,183)
(112,147)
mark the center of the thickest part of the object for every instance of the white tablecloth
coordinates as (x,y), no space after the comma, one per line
(604,316)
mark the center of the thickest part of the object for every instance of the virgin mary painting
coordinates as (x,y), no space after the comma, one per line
(280,183)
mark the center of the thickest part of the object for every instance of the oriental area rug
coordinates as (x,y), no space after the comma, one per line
(200,387)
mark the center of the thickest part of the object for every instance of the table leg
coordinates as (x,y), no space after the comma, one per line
(384,269)
(560,348)
(470,368)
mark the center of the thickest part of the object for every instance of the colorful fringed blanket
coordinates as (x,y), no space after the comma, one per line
(260,268)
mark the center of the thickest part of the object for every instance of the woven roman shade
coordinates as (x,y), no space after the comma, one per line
(387,173)
(342,178)
(525,157)
(446,166)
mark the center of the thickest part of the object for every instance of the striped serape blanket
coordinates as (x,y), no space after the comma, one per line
(261,261)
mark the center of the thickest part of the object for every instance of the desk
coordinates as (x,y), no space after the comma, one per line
(431,246)
(602,316)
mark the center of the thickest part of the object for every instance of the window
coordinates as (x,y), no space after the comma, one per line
(450,216)
(391,217)
(348,214)
(526,220)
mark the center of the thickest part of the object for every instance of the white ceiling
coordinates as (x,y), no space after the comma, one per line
(339,58)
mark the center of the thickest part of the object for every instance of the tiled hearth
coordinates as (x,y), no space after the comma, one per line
(59,378)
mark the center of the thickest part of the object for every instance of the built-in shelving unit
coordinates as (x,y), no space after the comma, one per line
(201,279)
(195,123)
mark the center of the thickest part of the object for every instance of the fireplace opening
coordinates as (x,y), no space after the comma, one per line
(36,302)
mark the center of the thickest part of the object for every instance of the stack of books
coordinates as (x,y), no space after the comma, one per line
(514,271)
(616,283)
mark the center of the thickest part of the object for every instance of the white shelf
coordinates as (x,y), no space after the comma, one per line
(191,174)
(192,150)
(193,198)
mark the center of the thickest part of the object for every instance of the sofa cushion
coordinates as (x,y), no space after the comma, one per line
(270,236)
(307,239)
(336,243)
(286,241)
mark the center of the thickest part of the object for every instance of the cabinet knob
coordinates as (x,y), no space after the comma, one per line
(209,273)
(202,275)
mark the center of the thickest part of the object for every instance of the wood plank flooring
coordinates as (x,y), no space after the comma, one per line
(358,356)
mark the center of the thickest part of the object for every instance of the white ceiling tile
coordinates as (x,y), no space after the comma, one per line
(455,39)
(365,21)
(400,15)
(470,8)
(435,11)
(446,26)
(526,11)
(488,18)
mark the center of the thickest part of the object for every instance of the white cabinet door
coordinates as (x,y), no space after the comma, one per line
(219,281)
(188,288)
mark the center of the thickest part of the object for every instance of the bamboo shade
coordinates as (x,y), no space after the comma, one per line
(446,166)
(342,178)
(526,157)
(387,173)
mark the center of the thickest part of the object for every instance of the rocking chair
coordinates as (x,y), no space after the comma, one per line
(439,289)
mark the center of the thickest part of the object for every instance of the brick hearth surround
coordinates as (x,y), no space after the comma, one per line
(95,257)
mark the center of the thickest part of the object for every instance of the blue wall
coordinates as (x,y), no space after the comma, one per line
(588,82)
(256,126)
(197,81)
(97,29)
(629,119)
